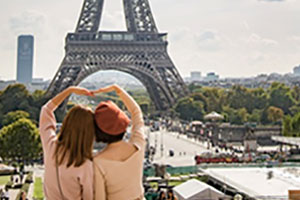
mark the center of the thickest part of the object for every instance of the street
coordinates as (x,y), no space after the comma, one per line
(184,148)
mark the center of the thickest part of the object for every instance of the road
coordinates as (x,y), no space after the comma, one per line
(184,148)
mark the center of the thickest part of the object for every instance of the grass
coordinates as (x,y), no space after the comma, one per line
(4,179)
(38,189)
(171,183)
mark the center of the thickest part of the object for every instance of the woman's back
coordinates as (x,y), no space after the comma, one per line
(67,156)
(119,151)
(122,172)
(119,167)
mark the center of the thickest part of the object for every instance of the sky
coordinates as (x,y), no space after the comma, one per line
(234,38)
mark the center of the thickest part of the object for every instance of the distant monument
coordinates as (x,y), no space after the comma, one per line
(25,58)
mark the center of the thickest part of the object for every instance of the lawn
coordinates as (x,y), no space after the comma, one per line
(4,179)
(38,189)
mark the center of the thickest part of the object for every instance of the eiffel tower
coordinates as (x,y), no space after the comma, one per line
(140,51)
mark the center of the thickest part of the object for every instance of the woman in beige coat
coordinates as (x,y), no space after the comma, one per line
(119,167)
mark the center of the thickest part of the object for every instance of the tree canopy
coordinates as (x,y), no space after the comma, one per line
(20,141)
(240,104)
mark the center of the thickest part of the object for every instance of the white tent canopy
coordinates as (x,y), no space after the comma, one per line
(213,116)
(195,190)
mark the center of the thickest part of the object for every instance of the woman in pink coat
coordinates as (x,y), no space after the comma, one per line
(68,155)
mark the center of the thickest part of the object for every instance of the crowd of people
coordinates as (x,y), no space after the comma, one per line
(4,195)
(166,196)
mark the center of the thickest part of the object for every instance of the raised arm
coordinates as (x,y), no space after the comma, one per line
(137,130)
(47,122)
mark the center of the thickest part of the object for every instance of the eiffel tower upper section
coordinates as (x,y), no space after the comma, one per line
(137,13)
(140,51)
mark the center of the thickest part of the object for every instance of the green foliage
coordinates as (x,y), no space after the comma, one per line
(239,104)
(38,189)
(189,109)
(4,180)
(240,97)
(194,88)
(14,116)
(295,125)
(235,116)
(275,114)
(16,97)
(214,101)
(281,97)
(255,116)
(287,126)
(20,141)
(296,93)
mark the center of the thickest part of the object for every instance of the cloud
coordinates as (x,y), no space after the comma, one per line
(180,34)
(295,38)
(255,39)
(246,25)
(272,0)
(28,21)
(209,40)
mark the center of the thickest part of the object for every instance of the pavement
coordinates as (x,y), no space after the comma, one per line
(184,148)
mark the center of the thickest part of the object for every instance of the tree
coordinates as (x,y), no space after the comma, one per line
(242,116)
(281,97)
(238,97)
(291,125)
(213,99)
(235,116)
(275,114)
(287,126)
(255,116)
(296,93)
(20,141)
(16,97)
(14,116)
(189,109)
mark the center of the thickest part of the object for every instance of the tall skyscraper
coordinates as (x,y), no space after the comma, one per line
(25,58)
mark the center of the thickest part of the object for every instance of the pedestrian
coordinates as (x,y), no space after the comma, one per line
(171,195)
(21,176)
(162,195)
(5,195)
(1,194)
(23,196)
(68,155)
(119,166)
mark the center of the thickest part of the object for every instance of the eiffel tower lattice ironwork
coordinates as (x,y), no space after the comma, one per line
(140,51)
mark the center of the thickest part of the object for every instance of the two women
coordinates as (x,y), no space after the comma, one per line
(69,172)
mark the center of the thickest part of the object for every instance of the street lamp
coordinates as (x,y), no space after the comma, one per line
(161,144)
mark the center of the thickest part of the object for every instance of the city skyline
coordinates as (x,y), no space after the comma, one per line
(262,36)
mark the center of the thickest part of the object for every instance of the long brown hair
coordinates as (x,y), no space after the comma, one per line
(76,137)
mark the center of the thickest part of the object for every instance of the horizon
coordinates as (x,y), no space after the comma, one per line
(217,37)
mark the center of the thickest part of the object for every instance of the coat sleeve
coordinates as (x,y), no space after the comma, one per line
(137,131)
(47,125)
